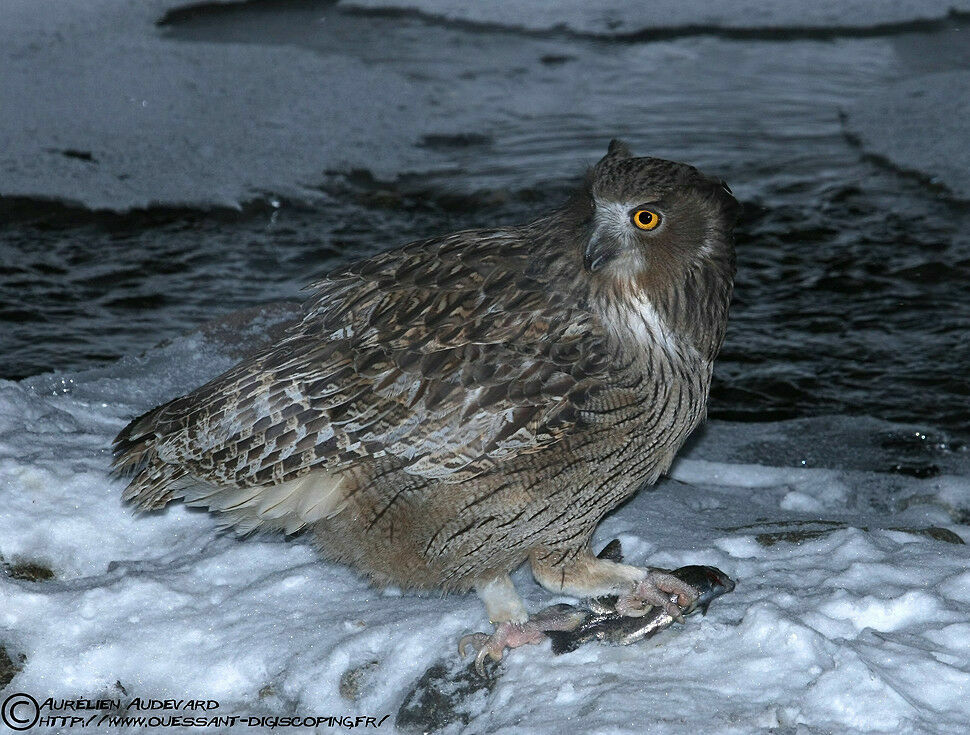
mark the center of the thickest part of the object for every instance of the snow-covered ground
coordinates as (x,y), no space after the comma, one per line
(850,613)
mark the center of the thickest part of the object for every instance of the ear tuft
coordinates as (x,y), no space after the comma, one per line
(619,149)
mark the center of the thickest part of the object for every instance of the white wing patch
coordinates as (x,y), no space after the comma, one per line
(288,506)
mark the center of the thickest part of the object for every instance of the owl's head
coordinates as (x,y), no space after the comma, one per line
(663,231)
(649,214)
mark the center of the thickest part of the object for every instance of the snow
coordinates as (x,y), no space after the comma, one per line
(176,124)
(100,109)
(621,17)
(847,616)
(920,125)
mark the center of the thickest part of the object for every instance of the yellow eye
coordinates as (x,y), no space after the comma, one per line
(644,219)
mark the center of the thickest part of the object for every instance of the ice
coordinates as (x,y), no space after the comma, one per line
(100,110)
(920,125)
(847,616)
(103,110)
(619,17)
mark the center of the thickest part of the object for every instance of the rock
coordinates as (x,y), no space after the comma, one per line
(354,678)
(28,570)
(8,669)
(450,692)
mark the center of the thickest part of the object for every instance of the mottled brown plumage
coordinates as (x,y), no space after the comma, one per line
(450,409)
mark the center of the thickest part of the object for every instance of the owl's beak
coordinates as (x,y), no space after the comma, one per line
(599,251)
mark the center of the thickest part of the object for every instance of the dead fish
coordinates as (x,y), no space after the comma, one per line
(602,623)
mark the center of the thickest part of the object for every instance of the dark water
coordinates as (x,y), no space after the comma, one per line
(852,292)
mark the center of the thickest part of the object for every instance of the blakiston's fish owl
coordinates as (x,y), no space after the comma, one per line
(447,410)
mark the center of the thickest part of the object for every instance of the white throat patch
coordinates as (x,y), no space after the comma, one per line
(641,318)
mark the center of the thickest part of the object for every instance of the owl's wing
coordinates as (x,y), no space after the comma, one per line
(442,358)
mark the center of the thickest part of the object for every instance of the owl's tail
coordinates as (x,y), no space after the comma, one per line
(288,506)
(136,457)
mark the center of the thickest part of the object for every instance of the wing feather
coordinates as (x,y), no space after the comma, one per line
(444,357)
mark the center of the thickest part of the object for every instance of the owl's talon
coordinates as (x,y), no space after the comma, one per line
(480,659)
(658,589)
(484,646)
(506,635)
(475,640)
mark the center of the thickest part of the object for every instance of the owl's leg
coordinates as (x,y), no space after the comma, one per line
(502,602)
(638,589)
(513,626)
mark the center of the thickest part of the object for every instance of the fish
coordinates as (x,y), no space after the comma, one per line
(601,622)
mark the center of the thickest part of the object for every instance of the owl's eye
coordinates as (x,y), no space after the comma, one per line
(644,219)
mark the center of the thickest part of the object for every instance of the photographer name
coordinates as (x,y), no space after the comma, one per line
(137,704)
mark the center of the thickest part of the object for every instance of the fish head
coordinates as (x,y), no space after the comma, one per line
(710,583)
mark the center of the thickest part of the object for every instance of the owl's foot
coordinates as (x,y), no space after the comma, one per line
(513,635)
(636,588)
(658,589)
(506,635)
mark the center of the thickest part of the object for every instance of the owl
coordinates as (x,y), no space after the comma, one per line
(449,410)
